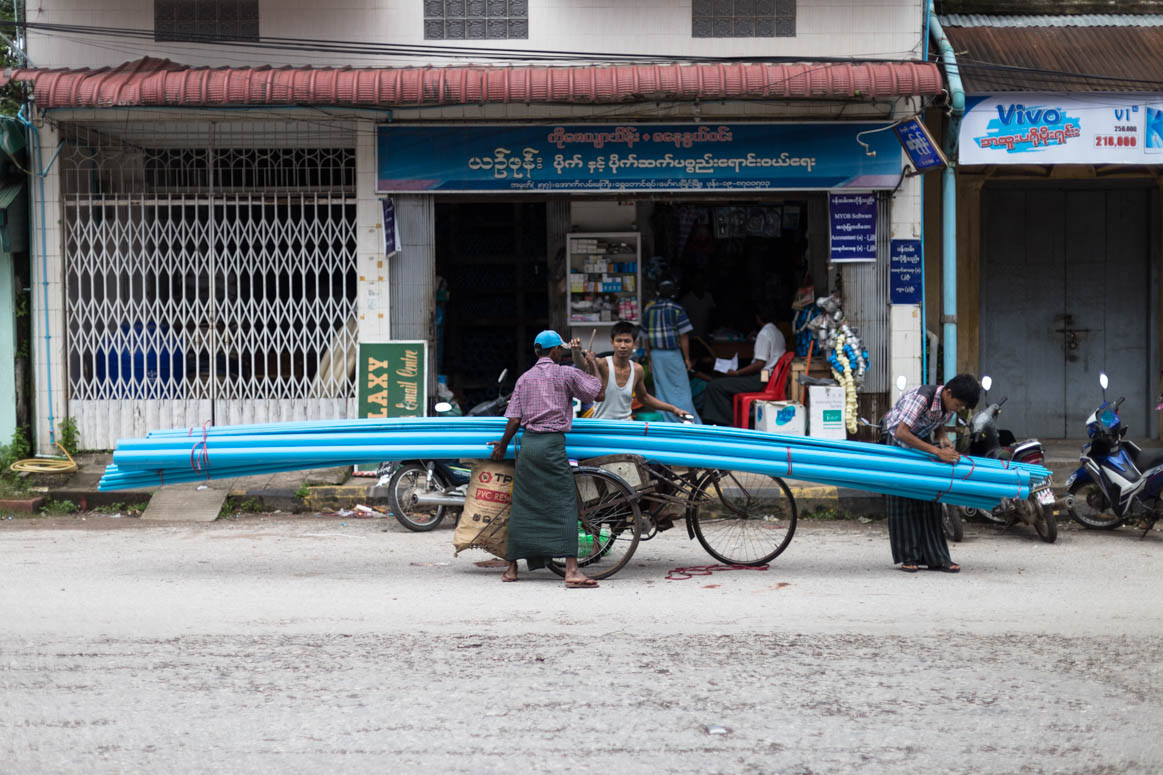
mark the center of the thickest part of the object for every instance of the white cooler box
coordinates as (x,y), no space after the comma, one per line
(826,412)
(786,417)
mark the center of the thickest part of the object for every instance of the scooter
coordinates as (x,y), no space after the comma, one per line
(982,438)
(1118,480)
(420,492)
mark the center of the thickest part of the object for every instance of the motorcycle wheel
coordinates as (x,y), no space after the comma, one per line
(951,522)
(1045,523)
(1090,508)
(408,479)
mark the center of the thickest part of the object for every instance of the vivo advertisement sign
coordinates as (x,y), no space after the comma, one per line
(1062,129)
(634,157)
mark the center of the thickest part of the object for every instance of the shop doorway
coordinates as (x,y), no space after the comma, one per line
(492,292)
(732,260)
(1065,295)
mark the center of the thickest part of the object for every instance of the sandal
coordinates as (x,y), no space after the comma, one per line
(909,567)
(949,567)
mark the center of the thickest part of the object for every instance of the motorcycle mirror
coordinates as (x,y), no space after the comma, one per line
(1103,381)
(986,383)
(442,407)
(504,373)
(901,382)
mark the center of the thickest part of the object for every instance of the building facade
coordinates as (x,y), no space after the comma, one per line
(208,230)
(1058,213)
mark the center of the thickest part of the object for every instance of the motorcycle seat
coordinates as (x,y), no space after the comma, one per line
(1149,458)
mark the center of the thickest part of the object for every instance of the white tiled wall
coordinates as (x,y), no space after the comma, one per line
(48,354)
(840,28)
(907,336)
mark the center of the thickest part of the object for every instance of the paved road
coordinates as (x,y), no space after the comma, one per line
(313,645)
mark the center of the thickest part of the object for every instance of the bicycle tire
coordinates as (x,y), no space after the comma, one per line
(742,518)
(403,483)
(609,516)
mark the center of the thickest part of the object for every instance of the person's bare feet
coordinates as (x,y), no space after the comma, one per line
(578,580)
(510,573)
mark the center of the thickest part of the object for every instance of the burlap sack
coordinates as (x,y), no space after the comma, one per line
(485,521)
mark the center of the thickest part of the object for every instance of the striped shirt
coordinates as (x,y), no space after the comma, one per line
(920,415)
(664,320)
(543,396)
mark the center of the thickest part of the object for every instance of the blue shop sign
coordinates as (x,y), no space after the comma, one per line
(556,158)
(852,227)
(922,149)
(905,271)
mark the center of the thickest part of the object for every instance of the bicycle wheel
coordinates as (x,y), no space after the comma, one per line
(411,479)
(609,524)
(742,518)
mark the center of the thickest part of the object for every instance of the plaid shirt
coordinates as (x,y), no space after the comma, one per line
(664,320)
(919,415)
(543,396)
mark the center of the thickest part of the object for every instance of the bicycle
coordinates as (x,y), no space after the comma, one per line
(739,518)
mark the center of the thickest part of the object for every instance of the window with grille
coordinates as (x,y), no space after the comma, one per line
(476,19)
(194,20)
(743,18)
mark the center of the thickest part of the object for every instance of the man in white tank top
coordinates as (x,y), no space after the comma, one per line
(624,379)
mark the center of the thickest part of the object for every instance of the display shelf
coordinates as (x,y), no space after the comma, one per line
(605,278)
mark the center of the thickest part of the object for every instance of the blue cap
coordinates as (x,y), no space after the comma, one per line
(547,339)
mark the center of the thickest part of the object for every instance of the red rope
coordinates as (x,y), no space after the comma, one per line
(682,574)
(952,476)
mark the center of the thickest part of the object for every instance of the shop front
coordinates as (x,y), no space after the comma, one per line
(573,227)
(1062,254)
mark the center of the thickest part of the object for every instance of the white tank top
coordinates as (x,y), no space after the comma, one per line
(616,405)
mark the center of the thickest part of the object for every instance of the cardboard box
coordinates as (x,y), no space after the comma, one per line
(786,417)
(826,412)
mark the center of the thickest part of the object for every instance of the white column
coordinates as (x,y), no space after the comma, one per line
(371,258)
(905,325)
(50,377)
(414,275)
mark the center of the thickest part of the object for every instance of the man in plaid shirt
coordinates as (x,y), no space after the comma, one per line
(668,330)
(914,527)
(543,516)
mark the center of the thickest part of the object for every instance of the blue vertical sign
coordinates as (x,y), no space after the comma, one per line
(852,227)
(922,149)
(904,274)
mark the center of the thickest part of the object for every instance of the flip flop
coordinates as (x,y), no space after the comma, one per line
(950,567)
(908,568)
(587,584)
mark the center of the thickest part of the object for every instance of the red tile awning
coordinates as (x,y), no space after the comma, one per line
(156,82)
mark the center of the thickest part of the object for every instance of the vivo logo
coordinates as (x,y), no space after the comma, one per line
(1018,114)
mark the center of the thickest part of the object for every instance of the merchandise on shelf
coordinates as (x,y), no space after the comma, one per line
(603,277)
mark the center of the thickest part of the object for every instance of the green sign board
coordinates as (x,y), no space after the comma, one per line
(393,381)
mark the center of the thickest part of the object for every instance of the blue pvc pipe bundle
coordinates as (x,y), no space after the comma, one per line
(194,454)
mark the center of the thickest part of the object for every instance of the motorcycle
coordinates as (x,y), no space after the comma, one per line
(981,437)
(1118,480)
(421,492)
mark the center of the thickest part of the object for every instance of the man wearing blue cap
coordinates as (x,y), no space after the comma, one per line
(543,516)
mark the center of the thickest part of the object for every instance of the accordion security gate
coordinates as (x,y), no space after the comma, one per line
(207,284)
